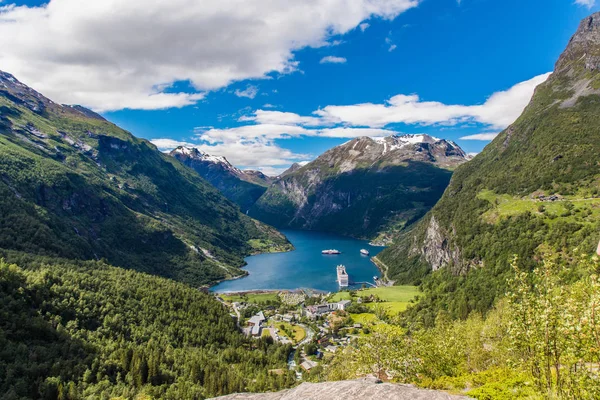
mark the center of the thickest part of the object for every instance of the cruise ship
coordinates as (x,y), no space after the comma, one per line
(331,251)
(364,252)
(342,276)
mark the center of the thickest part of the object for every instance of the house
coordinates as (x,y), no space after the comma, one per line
(313,312)
(342,305)
(256,330)
(288,317)
(257,319)
(308,365)
(331,349)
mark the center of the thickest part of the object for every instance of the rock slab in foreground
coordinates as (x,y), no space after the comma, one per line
(364,389)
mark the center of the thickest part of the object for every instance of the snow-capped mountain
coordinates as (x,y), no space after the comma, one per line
(241,187)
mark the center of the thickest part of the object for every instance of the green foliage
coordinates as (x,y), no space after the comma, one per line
(71,330)
(541,341)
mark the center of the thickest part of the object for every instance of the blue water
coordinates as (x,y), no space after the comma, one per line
(306,267)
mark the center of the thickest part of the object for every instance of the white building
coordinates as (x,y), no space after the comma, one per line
(342,305)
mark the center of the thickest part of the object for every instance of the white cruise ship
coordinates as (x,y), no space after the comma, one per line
(342,276)
(331,251)
(364,252)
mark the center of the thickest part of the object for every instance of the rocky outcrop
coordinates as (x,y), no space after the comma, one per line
(363,389)
(437,249)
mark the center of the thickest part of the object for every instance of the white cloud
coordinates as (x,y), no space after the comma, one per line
(586,3)
(392,48)
(250,92)
(115,54)
(251,133)
(333,60)
(363,27)
(480,136)
(281,118)
(500,109)
(344,132)
(169,144)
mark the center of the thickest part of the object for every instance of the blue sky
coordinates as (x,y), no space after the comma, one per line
(260,91)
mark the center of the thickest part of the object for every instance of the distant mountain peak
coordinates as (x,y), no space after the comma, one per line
(583,48)
(196,154)
(394,149)
(22,94)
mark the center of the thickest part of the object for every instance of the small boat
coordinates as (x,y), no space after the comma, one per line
(331,251)
(364,252)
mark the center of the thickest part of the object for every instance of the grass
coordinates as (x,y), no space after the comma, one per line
(255,298)
(364,318)
(392,307)
(505,205)
(339,296)
(266,333)
(392,293)
(298,332)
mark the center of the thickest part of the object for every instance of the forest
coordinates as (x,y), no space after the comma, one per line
(84,329)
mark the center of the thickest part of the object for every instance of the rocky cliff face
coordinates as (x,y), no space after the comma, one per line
(497,206)
(241,187)
(362,187)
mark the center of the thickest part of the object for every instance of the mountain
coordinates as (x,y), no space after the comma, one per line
(77,186)
(241,187)
(295,167)
(533,190)
(362,187)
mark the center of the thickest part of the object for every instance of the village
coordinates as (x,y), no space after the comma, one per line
(316,324)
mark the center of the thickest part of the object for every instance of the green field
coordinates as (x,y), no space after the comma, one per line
(395,299)
(505,205)
(392,307)
(392,293)
(339,296)
(364,318)
(256,298)
(298,332)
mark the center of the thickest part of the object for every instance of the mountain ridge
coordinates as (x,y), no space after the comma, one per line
(75,185)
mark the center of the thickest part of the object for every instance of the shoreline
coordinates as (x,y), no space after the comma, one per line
(265,291)
(382,268)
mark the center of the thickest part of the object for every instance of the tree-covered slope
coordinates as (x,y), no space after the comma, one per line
(84,329)
(534,189)
(363,187)
(74,185)
(237,185)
